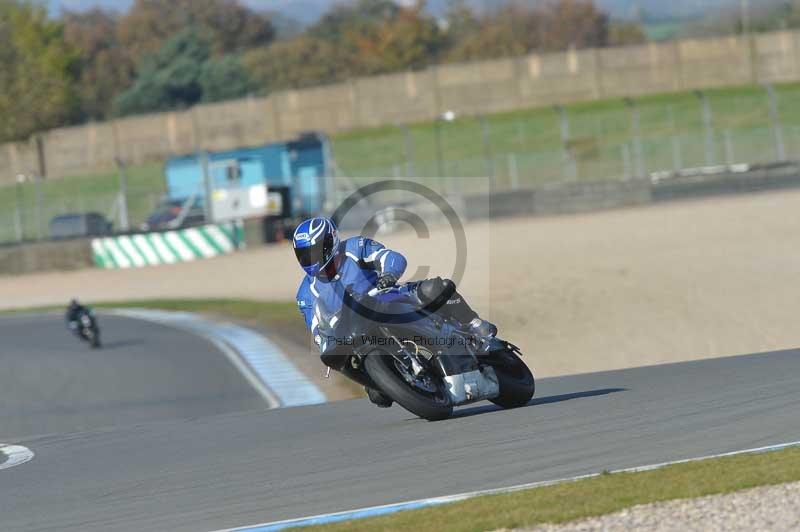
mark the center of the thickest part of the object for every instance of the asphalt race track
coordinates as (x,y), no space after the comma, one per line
(198,471)
(50,382)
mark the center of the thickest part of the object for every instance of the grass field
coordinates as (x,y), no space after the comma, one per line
(522,147)
(601,133)
(600,495)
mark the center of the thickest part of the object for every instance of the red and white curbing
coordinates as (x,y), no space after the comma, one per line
(15,455)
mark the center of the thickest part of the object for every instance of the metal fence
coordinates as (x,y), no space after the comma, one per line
(624,139)
(28,206)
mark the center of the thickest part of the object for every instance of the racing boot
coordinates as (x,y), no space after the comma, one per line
(378,398)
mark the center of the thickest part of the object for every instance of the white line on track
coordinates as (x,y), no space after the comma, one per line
(437,501)
(15,455)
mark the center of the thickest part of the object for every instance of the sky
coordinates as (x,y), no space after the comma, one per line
(309,10)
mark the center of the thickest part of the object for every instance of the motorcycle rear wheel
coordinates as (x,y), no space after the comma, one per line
(433,407)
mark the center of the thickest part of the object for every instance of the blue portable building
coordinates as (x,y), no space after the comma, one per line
(298,166)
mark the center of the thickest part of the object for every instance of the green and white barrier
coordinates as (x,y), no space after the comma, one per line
(182,245)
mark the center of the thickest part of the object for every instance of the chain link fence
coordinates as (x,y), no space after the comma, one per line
(624,139)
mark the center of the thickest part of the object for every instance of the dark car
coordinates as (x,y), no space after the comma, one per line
(174,214)
(79,225)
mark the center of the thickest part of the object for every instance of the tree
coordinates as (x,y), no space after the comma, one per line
(39,72)
(509,31)
(517,29)
(294,64)
(348,19)
(625,33)
(573,24)
(226,24)
(461,21)
(106,66)
(170,78)
(407,40)
(224,79)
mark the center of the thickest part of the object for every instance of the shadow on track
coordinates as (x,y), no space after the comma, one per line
(485,409)
(122,343)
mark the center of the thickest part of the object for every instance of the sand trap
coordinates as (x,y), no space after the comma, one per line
(578,293)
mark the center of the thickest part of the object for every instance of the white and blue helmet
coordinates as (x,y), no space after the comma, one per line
(315,242)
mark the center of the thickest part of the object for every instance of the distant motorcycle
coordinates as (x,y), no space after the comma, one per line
(419,359)
(86,328)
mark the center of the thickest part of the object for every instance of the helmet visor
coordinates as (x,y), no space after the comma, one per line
(317,254)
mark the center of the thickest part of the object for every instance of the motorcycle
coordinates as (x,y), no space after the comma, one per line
(424,362)
(86,328)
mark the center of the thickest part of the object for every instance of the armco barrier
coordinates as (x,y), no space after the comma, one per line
(573,198)
(153,249)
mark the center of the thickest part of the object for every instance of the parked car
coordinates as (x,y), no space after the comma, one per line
(79,225)
(174,214)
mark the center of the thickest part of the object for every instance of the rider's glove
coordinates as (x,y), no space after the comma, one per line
(387,280)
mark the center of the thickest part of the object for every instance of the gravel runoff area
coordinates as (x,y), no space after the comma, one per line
(773,508)
(590,292)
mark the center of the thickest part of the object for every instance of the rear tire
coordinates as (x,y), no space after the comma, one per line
(380,367)
(517,384)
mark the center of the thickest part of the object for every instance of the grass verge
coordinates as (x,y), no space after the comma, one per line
(280,313)
(281,317)
(601,495)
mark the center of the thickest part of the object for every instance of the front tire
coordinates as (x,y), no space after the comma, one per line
(517,384)
(93,337)
(433,407)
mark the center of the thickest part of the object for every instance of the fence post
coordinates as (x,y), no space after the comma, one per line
(207,186)
(708,122)
(777,129)
(20,204)
(677,153)
(569,166)
(636,127)
(124,222)
(520,132)
(730,155)
(487,148)
(409,148)
(626,160)
(513,170)
(439,148)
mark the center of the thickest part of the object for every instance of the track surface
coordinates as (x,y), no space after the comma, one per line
(50,382)
(244,468)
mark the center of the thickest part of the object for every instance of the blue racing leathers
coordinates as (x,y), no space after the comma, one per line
(361,261)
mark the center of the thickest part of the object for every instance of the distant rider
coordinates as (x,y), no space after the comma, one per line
(74,312)
(362,264)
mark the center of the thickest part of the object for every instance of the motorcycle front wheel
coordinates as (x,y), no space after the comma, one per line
(517,384)
(93,337)
(433,403)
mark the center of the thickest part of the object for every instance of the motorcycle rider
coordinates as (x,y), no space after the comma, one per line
(73,315)
(361,264)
